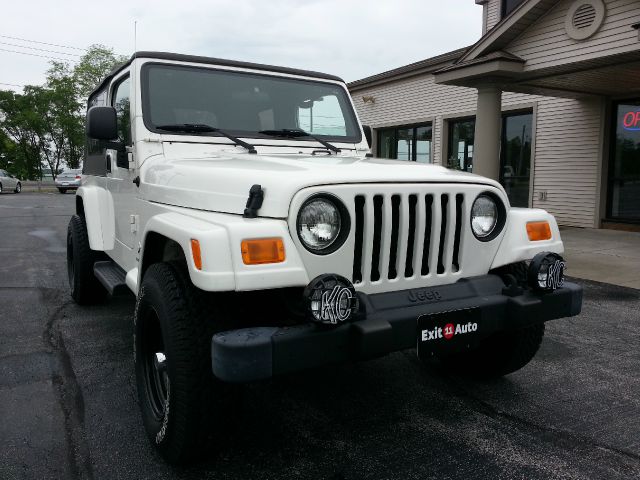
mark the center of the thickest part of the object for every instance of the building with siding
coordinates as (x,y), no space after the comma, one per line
(547,102)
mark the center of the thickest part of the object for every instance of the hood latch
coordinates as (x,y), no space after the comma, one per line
(254,202)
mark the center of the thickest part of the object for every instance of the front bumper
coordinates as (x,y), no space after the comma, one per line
(389,324)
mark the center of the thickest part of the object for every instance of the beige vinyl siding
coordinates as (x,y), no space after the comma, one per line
(415,100)
(566,156)
(493,13)
(567,159)
(546,43)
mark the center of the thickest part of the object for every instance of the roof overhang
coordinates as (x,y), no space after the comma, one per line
(496,67)
(422,67)
(508,28)
(612,76)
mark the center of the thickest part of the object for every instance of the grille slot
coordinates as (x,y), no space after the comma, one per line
(377,235)
(456,239)
(411,236)
(395,226)
(403,235)
(359,233)
(444,203)
(428,203)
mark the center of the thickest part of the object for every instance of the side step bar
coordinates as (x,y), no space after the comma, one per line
(112,277)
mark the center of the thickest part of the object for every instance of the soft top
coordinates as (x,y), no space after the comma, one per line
(211,61)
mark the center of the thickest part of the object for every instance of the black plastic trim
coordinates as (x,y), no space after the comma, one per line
(210,61)
(389,323)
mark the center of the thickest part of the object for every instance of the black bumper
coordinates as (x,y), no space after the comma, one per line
(389,324)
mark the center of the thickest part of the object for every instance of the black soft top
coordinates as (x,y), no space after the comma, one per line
(211,61)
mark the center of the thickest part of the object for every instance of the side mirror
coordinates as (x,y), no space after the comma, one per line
(367,134)
(102,123)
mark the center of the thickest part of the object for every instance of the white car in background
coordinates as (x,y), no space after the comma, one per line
(9,183)
(68,180)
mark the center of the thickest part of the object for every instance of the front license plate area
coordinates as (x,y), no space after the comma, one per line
(444,333)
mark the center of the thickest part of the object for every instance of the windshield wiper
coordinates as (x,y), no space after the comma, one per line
(296,132)
(203,128)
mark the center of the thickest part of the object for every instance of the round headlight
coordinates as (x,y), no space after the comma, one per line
(319,224)
(484,216)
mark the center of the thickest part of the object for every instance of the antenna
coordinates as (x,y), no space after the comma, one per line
(133,75)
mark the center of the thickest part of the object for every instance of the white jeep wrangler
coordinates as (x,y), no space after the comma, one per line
(240,204)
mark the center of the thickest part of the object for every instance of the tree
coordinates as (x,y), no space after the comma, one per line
(65,113)
(93,67)
(45,124)
(20,123)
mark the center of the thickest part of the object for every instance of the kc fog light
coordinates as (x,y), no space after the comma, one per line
(546,271)
(330,299)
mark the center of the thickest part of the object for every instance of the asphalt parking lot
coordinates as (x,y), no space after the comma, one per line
(68,402)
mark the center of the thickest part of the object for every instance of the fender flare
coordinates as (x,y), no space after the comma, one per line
(217,272)
(97,206)
(516,246)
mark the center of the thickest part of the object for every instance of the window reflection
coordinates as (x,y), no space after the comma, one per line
(515,168)
(411,143)
(509,6)
(624,174)
(461,141)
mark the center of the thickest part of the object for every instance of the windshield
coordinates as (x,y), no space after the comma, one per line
(245,104)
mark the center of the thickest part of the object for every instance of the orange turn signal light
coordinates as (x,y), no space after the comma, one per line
(538,231)
(262,250)
(196,254)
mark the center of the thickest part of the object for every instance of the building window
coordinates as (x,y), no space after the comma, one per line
(509,6)
(515,157)
(624,169)
(461,139)
(412,143)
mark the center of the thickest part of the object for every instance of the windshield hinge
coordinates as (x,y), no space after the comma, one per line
(254,202)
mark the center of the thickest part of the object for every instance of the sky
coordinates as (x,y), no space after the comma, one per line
(349,38)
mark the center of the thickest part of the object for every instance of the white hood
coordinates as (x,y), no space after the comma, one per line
(220,181)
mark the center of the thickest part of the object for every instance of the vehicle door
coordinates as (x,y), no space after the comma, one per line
(8,183)
(121,172)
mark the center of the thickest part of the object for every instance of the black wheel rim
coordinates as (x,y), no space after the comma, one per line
(154,364)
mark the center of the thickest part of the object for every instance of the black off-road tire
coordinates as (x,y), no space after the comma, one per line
(504,352)
(185,409)
(518,270)
(85,287)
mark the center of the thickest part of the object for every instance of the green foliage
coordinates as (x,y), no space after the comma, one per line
(44,126)
(93,67)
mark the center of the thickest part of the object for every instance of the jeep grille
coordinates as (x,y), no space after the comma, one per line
(406,235)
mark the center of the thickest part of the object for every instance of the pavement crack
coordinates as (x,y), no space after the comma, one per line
(69,394)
